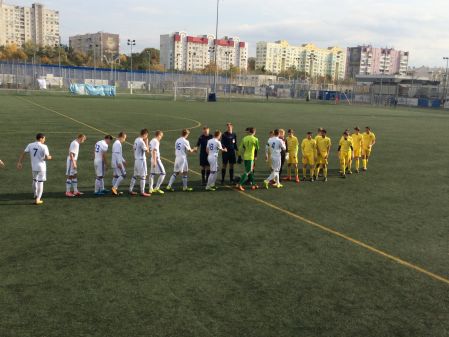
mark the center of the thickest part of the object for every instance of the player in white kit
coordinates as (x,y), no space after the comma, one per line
(213,149)
(118,163)
(157,168)
(100,164)
(182,148)
(275,146)
(141,149)
(39,154)
(72,167)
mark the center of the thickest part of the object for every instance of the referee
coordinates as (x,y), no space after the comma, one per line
(202,145)
(229,141)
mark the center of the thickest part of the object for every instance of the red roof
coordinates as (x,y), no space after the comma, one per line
(177,37)
(242,44)
(225,43)
(200,40)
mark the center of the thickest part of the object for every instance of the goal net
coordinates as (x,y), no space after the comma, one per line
(191,94)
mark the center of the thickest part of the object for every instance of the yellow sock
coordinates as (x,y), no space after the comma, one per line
(312,172)
(343,167)
(325,171)
(318,170)
(296,171)
(357,164)
(365,162)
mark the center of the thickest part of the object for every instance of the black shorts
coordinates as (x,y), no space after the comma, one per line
(229,158)
(203,160)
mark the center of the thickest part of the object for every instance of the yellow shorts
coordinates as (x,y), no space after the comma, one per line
(358,152)
(366,151)
(345,158)
(321,159)
(292,158)
(308,159)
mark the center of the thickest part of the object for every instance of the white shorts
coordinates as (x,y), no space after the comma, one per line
(40,176)
(140,168)
(119,172)
(158,169)
(181,165)
(213,163)
(276,164)
(70,171)
(99,168)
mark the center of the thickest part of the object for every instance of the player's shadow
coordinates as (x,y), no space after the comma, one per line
(25,199)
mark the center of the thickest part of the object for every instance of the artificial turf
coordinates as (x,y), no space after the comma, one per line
(219,263)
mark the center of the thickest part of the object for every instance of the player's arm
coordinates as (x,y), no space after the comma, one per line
(105,160)
(153,157)
(373,141)
(267,151)
(19,162)
(72,159)
(47,154)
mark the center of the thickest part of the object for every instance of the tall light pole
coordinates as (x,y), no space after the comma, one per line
(149,69)
(131,43)
(216,49)
(445,79)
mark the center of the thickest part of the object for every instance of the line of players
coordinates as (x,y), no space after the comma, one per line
(315,153)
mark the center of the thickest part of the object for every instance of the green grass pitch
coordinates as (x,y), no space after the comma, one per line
(225,263)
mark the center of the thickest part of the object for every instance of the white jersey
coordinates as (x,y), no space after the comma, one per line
(75,149)
(214,147)
(154,146)
(100,149)
(117,154)
(182,146)
(37,152)
(276,146)
(140,148)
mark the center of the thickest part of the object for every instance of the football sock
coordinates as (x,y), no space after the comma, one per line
(223,174)
(68,185)
(318,170)
(142,186)
(75,185)
(251,178)
(151,181)
(276,177)
(207,174)
(365,163)
(101,184)
(160,181)
(114,180)
(34,187)
(172,180)
(296,171)
(39,189)
(118,181)
(97,185)
(325,171)
(271,177)
(203,176)
(357,164)
(184,181)
(312,172)
(132,183)
(231,174)
(243,178)
(211,179)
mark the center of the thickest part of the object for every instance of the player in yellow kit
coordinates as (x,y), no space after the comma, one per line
(318,135)
(357,141)
(346,151)
(323,144)
(349,164)
(293,148)
(368,141)
(308,149)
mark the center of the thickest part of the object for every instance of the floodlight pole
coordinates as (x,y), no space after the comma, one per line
(216,49)
(131,43)
(445,80)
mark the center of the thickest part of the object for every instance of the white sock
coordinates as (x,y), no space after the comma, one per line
(271,177)
(75,185)
(39,190)
(276,177)
(185,181)
(132,183)
(102,184)
(114,180)
(142,186)
(97,185)
(68,185)
(160,181)
(118,181)
(34,187)
(212,179)
(172,180)
(151,182)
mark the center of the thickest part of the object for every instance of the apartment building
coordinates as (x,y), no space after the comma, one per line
(99,44)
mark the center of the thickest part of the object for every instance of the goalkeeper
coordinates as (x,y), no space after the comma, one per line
(248,148)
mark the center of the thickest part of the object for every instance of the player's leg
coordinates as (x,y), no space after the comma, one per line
(213,164)
(343,164)
(271,177)
(319,165)
(34,183)
(251,174)
(276,170)
(68,182)
(304,167)
(312,168)
(161,178)
(185,177)
(231,169)
(40,179)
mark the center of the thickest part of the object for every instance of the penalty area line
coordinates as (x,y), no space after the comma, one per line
(302,219)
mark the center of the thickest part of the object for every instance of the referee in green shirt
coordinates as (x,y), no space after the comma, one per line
(248,149)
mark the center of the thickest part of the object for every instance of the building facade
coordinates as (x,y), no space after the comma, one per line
(367,60)
(180,51)
(100,45)
(36,24)
(279,56)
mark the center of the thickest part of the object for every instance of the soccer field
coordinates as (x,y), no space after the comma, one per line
(363,256)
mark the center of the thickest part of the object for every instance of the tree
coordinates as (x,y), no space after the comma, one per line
(251,64)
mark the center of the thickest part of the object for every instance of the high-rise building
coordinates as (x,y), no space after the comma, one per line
(367,60)
(276,57)
(180,51)
(36,24)
(99,45)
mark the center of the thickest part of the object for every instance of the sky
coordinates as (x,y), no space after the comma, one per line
(418,26)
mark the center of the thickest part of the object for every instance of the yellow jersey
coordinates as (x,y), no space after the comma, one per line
(357,140)
(368,139)
(345,145)
(292,145)
(308,146)
(323,144)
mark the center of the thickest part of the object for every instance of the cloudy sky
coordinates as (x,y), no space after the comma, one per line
(421,27)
